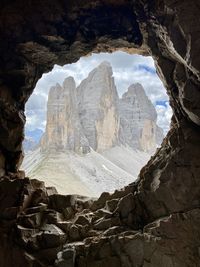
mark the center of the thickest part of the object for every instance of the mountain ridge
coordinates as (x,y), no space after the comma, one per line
(94,141)
(92,115)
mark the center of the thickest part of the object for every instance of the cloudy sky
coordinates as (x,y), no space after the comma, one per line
(127,69)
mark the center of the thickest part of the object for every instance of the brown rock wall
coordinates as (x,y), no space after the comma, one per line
(166,197)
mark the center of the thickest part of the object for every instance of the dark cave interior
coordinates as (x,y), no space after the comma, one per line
(160,212)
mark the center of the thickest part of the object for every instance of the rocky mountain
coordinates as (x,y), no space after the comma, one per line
(92,116)
(82,118)
(94,141)
(63,128)
(138,120)
(97,104)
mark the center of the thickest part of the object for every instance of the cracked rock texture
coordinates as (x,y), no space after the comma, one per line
(93,116)
(63,128)
(138,120)
(97,104)
(153,222)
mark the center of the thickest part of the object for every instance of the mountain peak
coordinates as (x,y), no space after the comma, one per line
(92,116)
(55,90)
(105,63)
(134,89)
(57,86)
(104,68)
(69,82)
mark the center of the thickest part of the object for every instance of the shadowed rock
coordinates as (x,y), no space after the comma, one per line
(165,223)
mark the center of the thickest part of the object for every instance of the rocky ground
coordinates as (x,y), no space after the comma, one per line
(72,230)
(94,141)
(165,211)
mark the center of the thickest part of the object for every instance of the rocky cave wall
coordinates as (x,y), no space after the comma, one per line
(153,222)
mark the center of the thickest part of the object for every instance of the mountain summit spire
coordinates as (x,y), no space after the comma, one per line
(94,141)
(92,116)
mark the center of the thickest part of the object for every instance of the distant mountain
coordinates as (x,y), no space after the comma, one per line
(93,116)
(138,116)
(98,108)
(32,139)
(94,141)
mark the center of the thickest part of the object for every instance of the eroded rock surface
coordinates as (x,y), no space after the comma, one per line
(92,116)
(85,117)
(57,230)
(97,96)
(138,120)
(63,128)
(162,228)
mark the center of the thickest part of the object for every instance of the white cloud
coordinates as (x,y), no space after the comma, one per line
(164,116)
(35,119)
(127,69)
(37,101)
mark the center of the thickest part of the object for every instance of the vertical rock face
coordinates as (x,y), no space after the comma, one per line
(138,117)
(170,30)
(63,129)
(78,119)
(97,97)
(93,116)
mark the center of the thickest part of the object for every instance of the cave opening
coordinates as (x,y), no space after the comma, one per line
(92,125)
(153,222)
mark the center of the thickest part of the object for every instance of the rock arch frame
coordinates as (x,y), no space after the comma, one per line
(163,204)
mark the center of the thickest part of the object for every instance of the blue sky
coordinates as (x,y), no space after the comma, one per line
(127,69)
(146,68)
(162,103)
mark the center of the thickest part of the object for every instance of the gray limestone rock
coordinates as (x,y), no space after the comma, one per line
(93,116)
(138,116)
(97,101)
(63,128)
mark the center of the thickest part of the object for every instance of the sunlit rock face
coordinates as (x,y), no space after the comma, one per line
(164,204)
(63,128)
(93,116)
(138,120)
(97,104)
(83,118)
